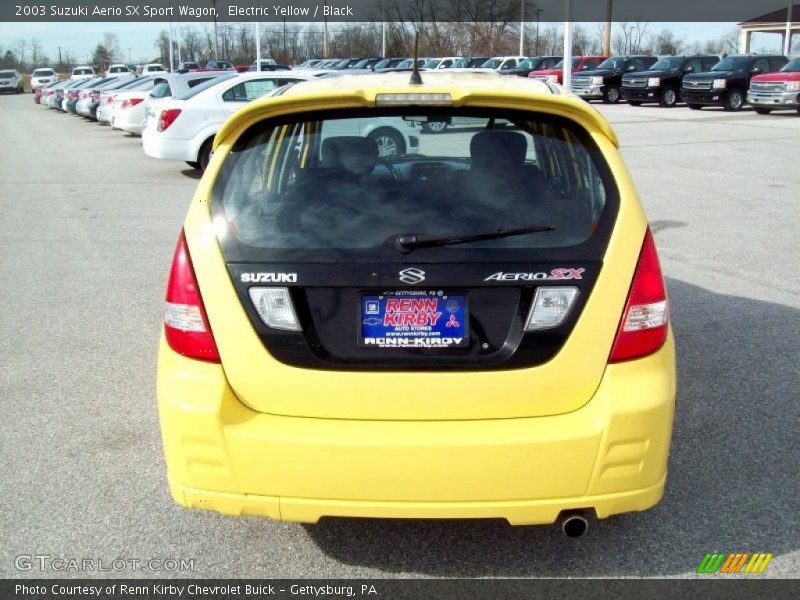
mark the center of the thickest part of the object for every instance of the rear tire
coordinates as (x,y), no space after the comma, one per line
(695,106)
(763,111)
(434,127)
(668,98)
(611,94)
(204,156)
(390,142)
(735,101)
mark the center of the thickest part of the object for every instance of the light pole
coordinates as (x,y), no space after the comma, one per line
(216,43)
(567,68)
(171,64)
(521,27)
(325,33)
(607,30)
(383,28)
(539,12)
(258,46)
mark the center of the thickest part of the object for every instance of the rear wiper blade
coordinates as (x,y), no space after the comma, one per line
(409,242)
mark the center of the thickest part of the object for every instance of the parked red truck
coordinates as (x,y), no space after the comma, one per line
(776,91)
(579,63)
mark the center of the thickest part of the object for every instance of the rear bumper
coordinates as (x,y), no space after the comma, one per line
(610,455)
(129,120)
(159,145)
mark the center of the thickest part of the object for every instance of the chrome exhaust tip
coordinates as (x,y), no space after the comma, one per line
(574,526)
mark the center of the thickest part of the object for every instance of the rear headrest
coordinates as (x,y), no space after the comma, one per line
(499,149)
(356,155)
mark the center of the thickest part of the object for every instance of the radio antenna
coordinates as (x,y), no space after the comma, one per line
(416,78)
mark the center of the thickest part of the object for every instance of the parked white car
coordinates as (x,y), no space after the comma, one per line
(173,85)
(502,62)
(82,72)
(10,81)
(447,62)
(119,70)
(42,77)
(129,109)
(108,99)
(154,69)
(183,127)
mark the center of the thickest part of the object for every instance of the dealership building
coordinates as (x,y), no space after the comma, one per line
(779,22)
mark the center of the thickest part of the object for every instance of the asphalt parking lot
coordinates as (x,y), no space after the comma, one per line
(88,224)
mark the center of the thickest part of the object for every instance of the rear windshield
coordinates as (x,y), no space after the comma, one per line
(141,83)
(43,73)
(204,86)
(338,184)
(83,72)
(161,90)
(119,69)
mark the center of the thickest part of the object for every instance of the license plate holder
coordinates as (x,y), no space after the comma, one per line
(414,319)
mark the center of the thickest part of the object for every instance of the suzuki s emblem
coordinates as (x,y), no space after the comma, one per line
(412,275)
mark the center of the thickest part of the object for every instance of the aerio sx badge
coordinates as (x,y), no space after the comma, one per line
(414,319)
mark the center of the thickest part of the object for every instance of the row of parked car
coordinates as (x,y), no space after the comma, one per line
(178,114)
(767,82)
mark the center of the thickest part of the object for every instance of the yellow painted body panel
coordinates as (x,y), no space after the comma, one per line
(563,384)
(610,455)
(256,436)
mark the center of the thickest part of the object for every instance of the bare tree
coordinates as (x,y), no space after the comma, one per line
(36,52)
(111,43)
(22,46)
(632,38)
(666,42)
(729,43)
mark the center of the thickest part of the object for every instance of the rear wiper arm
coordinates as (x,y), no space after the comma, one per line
(409,242)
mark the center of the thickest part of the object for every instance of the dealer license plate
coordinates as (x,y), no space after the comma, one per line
(414,319)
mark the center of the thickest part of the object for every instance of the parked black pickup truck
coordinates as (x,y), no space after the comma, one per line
(604,82)
(662,82)
(727,82)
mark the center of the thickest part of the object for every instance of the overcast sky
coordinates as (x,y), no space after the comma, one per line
(80,39)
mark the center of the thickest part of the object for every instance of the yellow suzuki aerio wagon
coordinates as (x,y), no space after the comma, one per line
(471,325)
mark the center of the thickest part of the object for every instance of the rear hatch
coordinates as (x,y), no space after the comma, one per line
(372,287)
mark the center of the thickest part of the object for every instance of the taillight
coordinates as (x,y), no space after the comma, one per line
(185,322)
(129,102)
(110,99)
(643,328)
(167,118)
(96,96)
